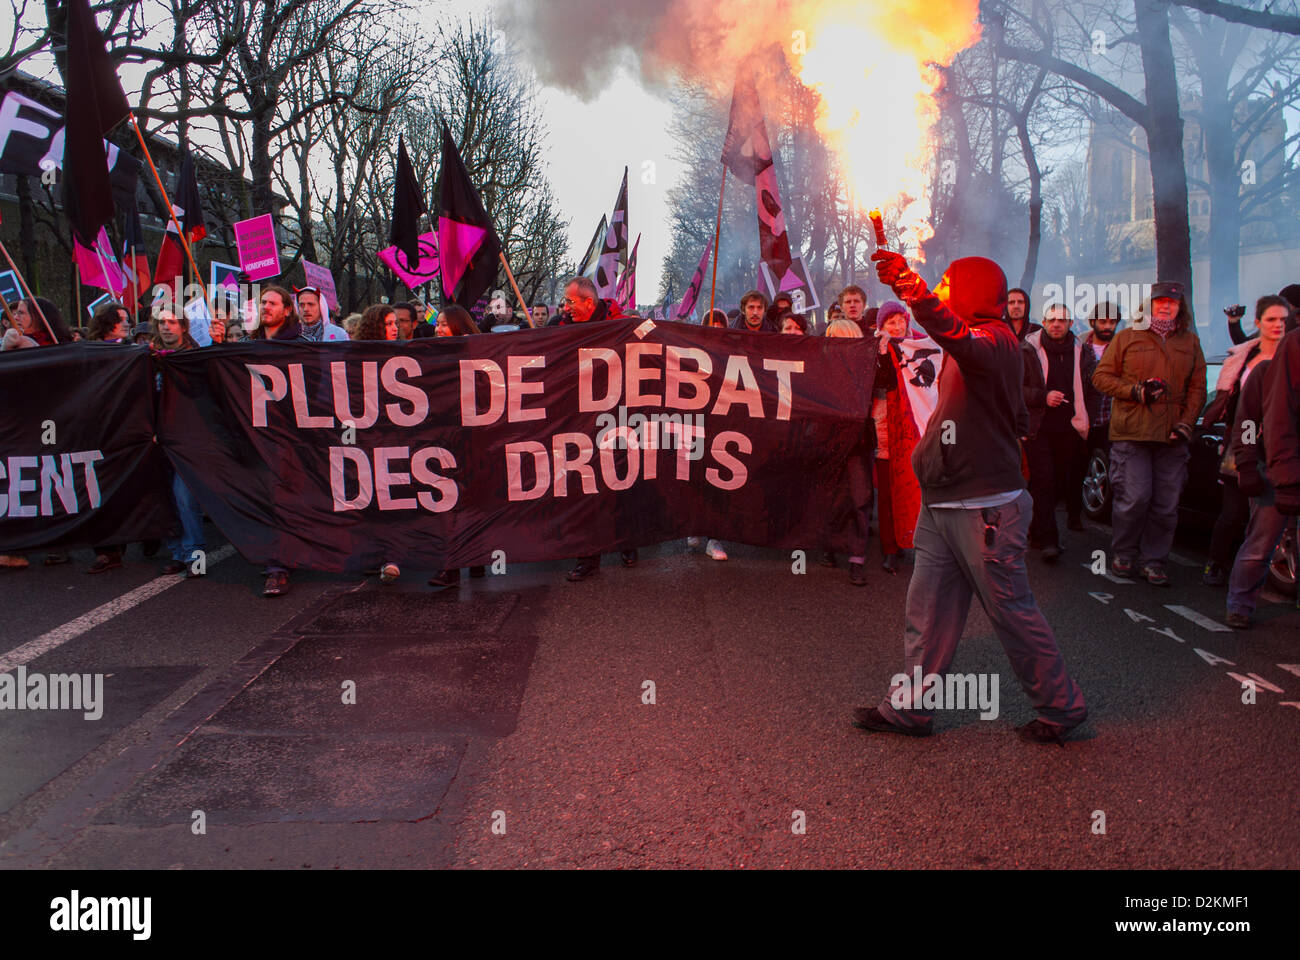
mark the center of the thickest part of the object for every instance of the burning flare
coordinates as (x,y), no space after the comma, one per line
(873,66)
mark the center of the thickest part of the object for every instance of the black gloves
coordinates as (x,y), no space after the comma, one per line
(1148,391)
(1249,480)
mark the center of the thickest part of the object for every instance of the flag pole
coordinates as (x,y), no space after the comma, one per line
(185,241)
(514,286)
(717,234)
(22,282)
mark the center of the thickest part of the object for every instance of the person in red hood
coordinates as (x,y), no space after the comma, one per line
(971,534)
(583,305)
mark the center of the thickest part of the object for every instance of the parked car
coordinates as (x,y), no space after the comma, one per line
(1202,497)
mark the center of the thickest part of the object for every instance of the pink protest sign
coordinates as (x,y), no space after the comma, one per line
(423,271)
(259,255)
(320,277)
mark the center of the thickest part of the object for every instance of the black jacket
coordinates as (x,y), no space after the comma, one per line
(1280,421)
(981,409)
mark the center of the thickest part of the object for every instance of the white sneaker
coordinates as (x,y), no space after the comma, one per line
(694,542)
(715,551)
(389,573)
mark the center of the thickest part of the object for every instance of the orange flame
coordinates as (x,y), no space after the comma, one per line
(872,65)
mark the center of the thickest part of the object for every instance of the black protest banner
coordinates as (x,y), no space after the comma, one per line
(542,444)
(78,461)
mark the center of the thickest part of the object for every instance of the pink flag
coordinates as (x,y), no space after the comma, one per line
(625,293)
(98,266)
(417,274)
(687,306)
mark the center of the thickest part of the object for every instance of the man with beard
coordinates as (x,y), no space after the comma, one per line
(1104,321)
(753,312)
(315,316)
(1017,314)
(975,512)
(1058,426)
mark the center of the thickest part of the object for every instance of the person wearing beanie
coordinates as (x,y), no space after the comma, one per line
(974,519)
(1154,373)
(897,494)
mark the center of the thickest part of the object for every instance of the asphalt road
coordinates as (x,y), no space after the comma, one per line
(505,723)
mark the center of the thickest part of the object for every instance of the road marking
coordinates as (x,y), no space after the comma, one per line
(1105,576)
(55,638)
(1183,561)
(1200,619)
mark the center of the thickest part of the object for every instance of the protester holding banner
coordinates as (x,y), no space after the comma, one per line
(29,322)
(971,533)
(455,321)
(860,487)
(315,313)
(407,318)
(111,323)
(753,313)
(278,317)
(379,322)
(853,301)
(715,318)
(795,323)
(585,306)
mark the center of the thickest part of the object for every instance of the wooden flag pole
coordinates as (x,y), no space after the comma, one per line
(22,282)
(717,234)
(171,211)
(514,286)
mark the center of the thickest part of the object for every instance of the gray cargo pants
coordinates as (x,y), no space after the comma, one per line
(957,557)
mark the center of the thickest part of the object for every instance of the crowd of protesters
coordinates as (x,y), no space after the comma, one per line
(1132,386)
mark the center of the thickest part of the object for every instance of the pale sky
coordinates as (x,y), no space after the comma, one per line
(590,144)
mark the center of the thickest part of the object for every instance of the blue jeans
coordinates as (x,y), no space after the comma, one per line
(191,517)
(954,563)
(1250,568)
(1147,480)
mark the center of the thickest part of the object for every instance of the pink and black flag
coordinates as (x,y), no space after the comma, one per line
(625,293)
(96,104)
(748,155)
(613,255)
(467,243)
(687,306)
(408,204)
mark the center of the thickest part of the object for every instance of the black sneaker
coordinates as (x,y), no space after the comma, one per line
(277,584)
(629,558)
(1051,553)
(827,559)
(1214,575)
(105,561)
(1155,574)
(174,566)
(1238,621)
(857,575)
(447,578)
(1037,731)
(582,571)
(890,563)
(870,718)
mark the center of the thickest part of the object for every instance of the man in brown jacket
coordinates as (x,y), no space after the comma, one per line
(1155,374)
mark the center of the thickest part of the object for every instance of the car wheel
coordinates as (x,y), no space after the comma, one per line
(1096,485)
(1282,569)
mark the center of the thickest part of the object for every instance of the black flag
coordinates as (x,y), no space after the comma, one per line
(408,204)
(96,104)
(468,246)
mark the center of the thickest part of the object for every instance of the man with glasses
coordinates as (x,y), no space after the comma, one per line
(582,304)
